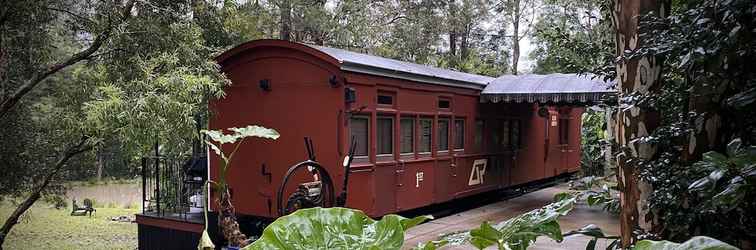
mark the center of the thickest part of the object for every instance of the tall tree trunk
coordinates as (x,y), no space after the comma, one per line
(464,41)
(285,32)
(452,43)
(515,35)
(12,220)
(100,164)
(636,76)
(452,28)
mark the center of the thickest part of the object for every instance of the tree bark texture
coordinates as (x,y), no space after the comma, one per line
(515,36)
(285,32)
(639,76)
(12,220)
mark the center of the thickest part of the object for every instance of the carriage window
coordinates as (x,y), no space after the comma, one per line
(385,135)
(516,133)
(459,134)
(444,103)
(425,136)
(495,138)
(443,135)
(358,128)
(479,125)
(505,133)
(408,134)
(564,130)
(385,98)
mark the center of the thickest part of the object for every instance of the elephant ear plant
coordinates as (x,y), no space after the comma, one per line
(335,228)
(215,139)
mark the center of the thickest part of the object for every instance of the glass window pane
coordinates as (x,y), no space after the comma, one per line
(564,131)
(385,135)
(408,134)
(359,131)
(385,99)
(444,104)
(424,145)
(505,133)
(479,134)
(443,135)
(459,134)
(494,142)
(516,133)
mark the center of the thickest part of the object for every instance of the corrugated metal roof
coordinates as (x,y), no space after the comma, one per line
(546,88)
(375,65)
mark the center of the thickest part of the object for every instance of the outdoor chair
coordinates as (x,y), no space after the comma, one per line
(81,211)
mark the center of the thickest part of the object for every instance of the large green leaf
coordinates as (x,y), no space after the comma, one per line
(335,228)
(239,133)
(521,231)
(695,243)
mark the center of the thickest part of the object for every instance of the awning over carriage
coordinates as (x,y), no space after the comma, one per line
(552,88)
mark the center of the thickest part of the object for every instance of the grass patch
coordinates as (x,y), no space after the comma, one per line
(47,228)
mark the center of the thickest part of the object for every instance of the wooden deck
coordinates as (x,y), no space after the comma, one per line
(502,210)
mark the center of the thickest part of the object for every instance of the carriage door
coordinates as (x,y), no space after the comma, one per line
(565,132)
(414,177)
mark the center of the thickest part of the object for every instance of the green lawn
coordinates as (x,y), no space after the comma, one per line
(48,228)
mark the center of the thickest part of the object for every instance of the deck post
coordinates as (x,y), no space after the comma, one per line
(157,177)
(144,182)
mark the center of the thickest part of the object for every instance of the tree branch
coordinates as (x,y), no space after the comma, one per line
(77,16)
(70,152)
(38,77)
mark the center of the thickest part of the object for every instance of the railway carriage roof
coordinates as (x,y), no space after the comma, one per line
(375,65)
(554,88)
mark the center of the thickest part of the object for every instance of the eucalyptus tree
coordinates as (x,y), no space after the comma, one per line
(520,15)
(147,72)
(567,31)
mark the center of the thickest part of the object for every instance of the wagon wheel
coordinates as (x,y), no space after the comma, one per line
(300,199)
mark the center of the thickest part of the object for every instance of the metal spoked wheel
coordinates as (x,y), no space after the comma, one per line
(318,193)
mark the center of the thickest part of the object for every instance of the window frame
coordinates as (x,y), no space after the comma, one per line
(413,135)
(518,142)
(378,155)
(438,132)
(389,94)
(446,99)
(478,139)
(564,127)
(367,142)
(456,134)
(420,136)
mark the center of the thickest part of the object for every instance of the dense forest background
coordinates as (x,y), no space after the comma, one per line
(110,95)
(87,87)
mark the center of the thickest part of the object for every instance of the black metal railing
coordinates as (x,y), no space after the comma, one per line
(168,190)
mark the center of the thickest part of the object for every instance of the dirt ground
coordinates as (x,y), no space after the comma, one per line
(580,216)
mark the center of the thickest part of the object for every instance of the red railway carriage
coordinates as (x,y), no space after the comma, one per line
(421,135)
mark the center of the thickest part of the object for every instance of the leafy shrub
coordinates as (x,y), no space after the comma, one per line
(56,200)
(597,191)
(335,228)
(519,232)
(695,243)
(713,197)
